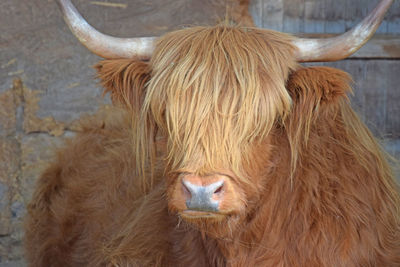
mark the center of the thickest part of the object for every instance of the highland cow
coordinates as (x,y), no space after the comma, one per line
(222,150)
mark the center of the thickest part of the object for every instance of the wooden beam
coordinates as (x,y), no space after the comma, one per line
(379,47)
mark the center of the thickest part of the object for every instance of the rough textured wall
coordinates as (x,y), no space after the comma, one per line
(47,82)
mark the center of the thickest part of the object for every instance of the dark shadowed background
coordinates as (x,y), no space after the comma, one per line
(47,83)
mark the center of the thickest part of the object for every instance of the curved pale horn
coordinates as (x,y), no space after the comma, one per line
(104,45)
(344,45)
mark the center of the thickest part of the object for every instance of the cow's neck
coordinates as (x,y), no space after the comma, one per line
(246,240)
(259,237)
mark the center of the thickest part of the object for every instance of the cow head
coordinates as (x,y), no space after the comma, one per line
(210,103)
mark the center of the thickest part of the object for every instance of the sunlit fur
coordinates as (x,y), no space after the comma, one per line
(213,92)
(317,188)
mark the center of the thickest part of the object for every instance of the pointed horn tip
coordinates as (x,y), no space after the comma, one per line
(344,45)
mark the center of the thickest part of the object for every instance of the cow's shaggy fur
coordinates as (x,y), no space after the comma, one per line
(318,189)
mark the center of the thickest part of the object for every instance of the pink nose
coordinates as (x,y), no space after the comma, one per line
(203,197)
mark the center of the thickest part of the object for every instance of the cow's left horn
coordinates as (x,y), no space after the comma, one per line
(344,45)
(104,45)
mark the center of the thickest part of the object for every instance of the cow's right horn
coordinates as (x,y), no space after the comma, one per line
(344,45)
(103,45)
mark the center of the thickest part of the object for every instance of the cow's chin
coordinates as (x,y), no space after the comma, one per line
(213,224)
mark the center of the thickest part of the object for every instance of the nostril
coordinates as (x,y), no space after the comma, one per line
(219,189)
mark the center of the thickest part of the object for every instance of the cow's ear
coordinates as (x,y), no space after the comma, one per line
(318,96)
(125,79)
(318,86)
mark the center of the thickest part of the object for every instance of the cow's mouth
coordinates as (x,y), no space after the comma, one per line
(196,214)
